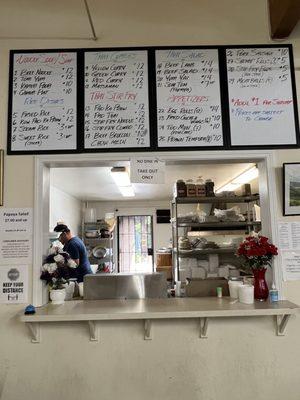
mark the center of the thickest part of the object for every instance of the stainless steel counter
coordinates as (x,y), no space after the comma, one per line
(125,286)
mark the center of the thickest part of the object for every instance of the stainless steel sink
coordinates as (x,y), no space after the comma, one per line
(124,286)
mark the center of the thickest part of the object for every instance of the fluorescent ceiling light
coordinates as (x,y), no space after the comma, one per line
(127,191)
(239,180)
(246,176)
(121,178)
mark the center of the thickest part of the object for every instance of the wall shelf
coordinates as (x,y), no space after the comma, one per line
(218,225)
(199,252)
(216,199)
(92,312)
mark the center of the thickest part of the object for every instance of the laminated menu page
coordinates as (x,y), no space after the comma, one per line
(188,98)
(262,102)
(43,105)
(116,99)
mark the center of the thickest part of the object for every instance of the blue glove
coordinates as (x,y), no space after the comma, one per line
(29,309)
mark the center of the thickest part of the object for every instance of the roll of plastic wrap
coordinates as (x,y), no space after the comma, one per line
(234,288)
(246,294)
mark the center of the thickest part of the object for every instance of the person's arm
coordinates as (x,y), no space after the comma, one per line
(76,260)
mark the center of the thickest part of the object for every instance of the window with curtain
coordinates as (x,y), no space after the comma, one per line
(135,243)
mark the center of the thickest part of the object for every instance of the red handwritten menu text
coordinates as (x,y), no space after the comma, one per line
(44,101)
(116,99)
(261,103)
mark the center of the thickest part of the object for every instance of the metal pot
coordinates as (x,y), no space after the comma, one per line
(99,252)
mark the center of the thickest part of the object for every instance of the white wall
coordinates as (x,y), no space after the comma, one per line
(66,208)
(242,359)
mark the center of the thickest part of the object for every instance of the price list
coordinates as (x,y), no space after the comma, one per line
(260,96)
(116,99)
(188,98)
(43,89)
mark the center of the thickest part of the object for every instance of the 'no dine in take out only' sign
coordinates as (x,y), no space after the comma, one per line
(147,170)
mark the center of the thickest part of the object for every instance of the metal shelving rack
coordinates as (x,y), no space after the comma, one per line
(209,227)
(107,243)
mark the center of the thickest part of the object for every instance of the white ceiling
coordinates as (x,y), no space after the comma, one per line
(96,183)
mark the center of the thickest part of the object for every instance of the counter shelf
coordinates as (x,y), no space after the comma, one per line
(147,310)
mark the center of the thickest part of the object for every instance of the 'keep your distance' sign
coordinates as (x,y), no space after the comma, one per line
(147,170)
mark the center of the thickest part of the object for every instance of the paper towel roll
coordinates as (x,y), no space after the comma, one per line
(246,294)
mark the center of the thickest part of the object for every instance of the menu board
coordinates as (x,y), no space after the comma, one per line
(116,99)
(261,101)
(188,98)
(43,95)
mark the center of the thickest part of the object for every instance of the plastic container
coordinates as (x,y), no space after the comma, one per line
(234,288)
(180,188)
(246,294)
(190,188)
(200,187)
(209,188)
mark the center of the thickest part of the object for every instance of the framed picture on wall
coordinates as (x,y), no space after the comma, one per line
(1,176)
(291,189)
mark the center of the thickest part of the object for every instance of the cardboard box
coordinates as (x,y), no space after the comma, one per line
(163,259)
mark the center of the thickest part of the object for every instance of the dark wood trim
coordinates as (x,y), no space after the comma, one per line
(284,15)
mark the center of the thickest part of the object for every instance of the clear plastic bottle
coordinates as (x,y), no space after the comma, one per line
(200,187)
(273,294)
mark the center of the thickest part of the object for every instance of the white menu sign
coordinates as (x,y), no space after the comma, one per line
(16,221)
(261,102)
(188,98)
(116,99)
(289,235)
(289,246)
(14,284)
(290,265)
(16,226)
(44,91)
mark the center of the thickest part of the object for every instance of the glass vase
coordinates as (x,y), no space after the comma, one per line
(261,291)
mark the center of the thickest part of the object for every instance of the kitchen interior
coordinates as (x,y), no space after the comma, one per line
(177,238)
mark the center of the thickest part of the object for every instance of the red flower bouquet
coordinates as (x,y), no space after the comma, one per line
(257,252)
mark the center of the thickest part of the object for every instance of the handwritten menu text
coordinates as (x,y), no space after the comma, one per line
(188,98)
(260,96)
(44,101)
(116,99)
